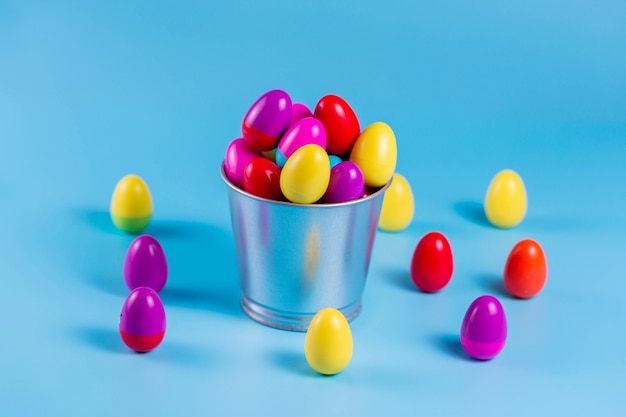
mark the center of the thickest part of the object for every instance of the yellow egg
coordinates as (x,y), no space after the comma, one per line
(305,176)
(131,204)
(398,206)
(328,342)
(375,152)
(506,202)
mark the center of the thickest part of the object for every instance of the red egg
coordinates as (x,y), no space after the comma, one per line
(262,178)
(341,124)
(526,269)
(432,263)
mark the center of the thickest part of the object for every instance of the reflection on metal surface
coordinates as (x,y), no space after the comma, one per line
(312,253)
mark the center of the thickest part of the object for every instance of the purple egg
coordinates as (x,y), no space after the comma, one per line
(484,329)
(267,120)
(346,183)
(145,264)
(300,111)
(305,131)
(142,321)
(238,155)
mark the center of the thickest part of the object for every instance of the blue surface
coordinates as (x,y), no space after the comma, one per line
(90,92)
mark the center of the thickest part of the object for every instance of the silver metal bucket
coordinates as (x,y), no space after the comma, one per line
(296,259)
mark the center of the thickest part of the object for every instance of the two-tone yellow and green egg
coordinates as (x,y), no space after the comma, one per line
(131,204)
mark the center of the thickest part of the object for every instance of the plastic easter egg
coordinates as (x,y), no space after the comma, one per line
(432,263)
(304,178)
(346,183)
(526,269)
(131,204)
(145,264)
(506,202)
(300,111)
(142,321)
(484,328)
(375,152)
(267,120)
(238,155)
(262,178)
(304,132)
(340,121)
(328,342)
(398,205)
(334,160)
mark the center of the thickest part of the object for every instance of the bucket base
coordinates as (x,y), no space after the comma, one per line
(296,322)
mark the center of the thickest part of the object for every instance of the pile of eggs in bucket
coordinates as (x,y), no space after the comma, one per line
(289,153)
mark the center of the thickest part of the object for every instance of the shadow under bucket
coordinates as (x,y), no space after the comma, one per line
(296,259)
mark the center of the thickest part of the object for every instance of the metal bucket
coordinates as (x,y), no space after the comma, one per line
(296,259)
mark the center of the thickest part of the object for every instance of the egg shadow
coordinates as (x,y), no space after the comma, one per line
(450,344)
(471,211)
(399,278)
(112,283)
(102,338)
(173,229)
(202,266)
(201,260)
(294,362)
(101,248)
(98,219)
(183,355)
(493,283)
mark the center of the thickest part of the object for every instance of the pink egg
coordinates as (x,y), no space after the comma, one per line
(300,111)
(305,131)
(238,155)
(346,183)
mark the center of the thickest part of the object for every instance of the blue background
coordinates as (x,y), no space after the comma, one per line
(92,91)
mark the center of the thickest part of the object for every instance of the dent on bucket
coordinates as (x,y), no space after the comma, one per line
(307,191)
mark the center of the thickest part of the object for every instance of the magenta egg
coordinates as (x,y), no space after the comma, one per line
(238,155)
(300,111)
(346,183)
(305,131)
(484,328)
(142,321)
(145,264)
(267,120)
